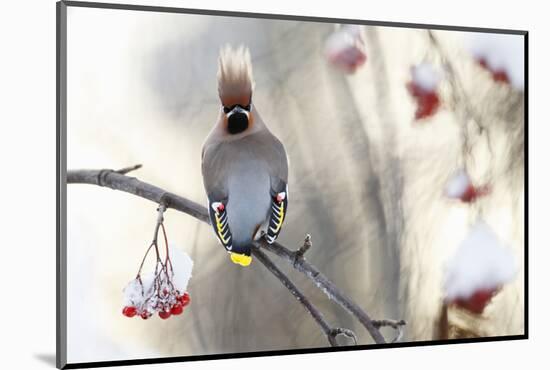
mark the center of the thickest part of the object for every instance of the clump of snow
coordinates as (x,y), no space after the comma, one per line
(500,53)
(183,267)
(133,293)
(425,76)
(345,49)
(457,184)
(481,262)
(352,29)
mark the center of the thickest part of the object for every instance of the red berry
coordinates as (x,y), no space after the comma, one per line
(164,315)
(129,311)
(414,90)
(483,63)
(477,302)
(427,105)
(427,101)
(184,299)
(348,59)
(469,194)
(145,315)
(472,193)
(500,76)
(176,309)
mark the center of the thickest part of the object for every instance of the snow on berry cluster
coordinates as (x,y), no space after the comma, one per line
(345,48)
(501,55)
(460,186)
(161,291)
(478,270)
(423,88)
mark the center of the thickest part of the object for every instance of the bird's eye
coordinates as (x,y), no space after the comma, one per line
(226,109)
(247,108)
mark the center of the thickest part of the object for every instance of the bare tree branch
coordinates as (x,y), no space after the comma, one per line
(326,286)
(303,249)
(124,171)
(310,308)
(395,324)
(346,332)
(117,181)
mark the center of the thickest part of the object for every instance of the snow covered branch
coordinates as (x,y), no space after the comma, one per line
(117,180)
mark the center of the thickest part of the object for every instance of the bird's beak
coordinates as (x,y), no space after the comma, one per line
(238,109)
(241,259)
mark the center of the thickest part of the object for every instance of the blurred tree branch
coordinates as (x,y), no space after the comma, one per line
(117,180)
(460,101)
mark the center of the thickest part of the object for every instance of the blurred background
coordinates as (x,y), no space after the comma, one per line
(366,181)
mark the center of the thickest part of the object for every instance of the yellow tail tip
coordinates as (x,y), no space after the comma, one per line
(241,259)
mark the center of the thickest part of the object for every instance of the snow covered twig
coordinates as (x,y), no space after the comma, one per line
(117,180)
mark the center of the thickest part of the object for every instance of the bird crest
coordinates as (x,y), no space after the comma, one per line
(235,80)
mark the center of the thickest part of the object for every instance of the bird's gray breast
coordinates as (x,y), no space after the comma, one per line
(249,199)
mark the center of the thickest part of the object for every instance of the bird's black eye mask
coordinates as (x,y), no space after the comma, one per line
(230,108)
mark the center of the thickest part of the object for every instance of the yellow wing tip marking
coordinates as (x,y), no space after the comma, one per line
(219,227)
(282,215)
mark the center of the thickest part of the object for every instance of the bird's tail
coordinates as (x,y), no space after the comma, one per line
(241,253)
(241,259)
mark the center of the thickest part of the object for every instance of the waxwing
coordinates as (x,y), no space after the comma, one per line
(244,166)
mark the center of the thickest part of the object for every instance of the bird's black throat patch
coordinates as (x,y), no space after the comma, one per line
(237,123)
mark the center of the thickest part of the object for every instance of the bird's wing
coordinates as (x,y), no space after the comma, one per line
(279,203)
(278,168)
(220,223)
(214,169)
